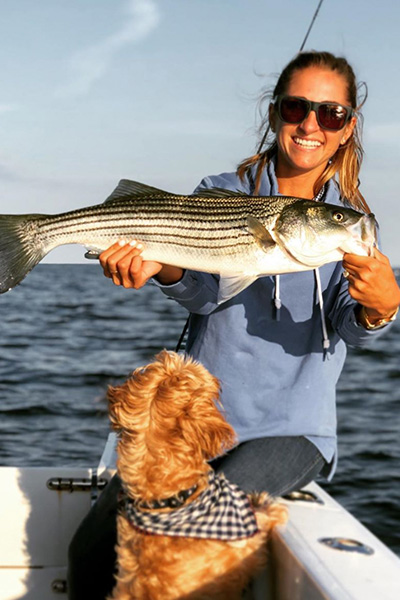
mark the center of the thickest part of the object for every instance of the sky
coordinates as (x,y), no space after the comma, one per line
(165,92)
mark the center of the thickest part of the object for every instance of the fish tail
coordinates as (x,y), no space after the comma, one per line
(20,248)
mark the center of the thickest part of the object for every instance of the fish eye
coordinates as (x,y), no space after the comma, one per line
(338,216)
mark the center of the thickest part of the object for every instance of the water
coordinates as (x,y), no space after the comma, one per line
(67,333)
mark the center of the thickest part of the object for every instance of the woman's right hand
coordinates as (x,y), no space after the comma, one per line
(124,264)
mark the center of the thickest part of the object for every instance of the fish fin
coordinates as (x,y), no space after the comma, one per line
(216,192)
(230,286)
(126,189)
(18,251)
(261,235)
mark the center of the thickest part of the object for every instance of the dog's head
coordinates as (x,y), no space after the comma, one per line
(170,405)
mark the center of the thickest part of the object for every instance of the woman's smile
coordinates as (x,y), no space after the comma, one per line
(306,143)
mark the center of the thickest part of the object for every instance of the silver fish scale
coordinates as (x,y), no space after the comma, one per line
(210,216)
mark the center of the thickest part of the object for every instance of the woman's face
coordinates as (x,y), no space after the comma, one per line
(306,147)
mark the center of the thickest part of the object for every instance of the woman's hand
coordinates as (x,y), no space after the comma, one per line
(124,264)
(373,284)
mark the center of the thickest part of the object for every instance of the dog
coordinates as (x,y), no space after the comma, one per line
(169,426)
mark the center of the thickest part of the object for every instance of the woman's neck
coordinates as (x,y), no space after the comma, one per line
(298,184)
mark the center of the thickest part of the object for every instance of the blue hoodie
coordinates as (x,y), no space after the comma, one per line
(275,376)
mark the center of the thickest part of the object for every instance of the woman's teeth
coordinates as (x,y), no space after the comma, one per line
(307,143)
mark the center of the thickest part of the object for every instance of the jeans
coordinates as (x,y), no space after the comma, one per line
(275,465)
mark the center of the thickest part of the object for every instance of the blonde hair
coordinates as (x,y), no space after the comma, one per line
(345,165)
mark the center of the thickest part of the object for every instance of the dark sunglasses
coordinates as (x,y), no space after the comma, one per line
(330,115)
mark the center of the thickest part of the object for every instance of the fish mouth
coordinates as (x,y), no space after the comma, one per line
(364,236)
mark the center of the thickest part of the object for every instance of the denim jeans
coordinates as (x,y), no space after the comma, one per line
(275,465)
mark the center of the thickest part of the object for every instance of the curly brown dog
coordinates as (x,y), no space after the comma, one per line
(183,532)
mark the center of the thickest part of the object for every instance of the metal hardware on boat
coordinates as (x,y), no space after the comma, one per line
(95,489)
(346,545)
(73,484)
(59,586)
(303,496)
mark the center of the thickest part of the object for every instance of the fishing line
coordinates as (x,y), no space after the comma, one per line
(311,25)
(185,328)
(300,49)
(182,336)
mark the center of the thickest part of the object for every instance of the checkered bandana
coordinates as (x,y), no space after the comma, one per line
(221,512)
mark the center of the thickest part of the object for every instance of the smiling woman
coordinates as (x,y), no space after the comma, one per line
(316,78)
(306,146)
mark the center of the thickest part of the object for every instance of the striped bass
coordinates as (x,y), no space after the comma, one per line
(218,231)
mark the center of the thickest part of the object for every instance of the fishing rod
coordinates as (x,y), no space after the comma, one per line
(311,24)
(300,49)
(185,328)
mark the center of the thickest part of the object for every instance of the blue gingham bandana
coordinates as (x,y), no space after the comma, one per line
(221,512)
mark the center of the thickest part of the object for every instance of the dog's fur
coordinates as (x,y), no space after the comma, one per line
(169,427)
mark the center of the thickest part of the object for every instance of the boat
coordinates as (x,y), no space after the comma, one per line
(322,553)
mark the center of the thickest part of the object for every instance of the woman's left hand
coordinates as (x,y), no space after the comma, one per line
(372,284)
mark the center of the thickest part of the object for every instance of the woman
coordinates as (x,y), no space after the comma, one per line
(271,343)
(277,389)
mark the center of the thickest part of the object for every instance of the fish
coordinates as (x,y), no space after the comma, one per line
(225,232)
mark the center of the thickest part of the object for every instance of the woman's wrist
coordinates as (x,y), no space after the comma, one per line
(372,319)
(169,275)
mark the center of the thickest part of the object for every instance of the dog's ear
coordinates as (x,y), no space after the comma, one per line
(202,424)
(117,406)
(114,405)
(128,404)
(207,431)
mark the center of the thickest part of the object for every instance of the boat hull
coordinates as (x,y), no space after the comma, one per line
(36,526)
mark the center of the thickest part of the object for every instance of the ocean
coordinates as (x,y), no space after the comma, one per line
(66,333)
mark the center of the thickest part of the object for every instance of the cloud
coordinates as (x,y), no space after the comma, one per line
(90,64)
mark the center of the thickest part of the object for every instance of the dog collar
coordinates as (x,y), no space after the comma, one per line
(222,511)
(172,502)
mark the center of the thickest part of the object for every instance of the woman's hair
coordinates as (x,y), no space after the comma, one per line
(347,160)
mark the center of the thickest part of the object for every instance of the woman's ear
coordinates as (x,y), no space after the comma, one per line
(348,131)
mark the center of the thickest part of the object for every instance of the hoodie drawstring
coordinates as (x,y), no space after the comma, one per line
(278,305)
(277,298)
(325,338)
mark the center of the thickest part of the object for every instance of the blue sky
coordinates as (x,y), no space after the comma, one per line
(164,92)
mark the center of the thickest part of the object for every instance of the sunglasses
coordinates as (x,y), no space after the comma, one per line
(330,115)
